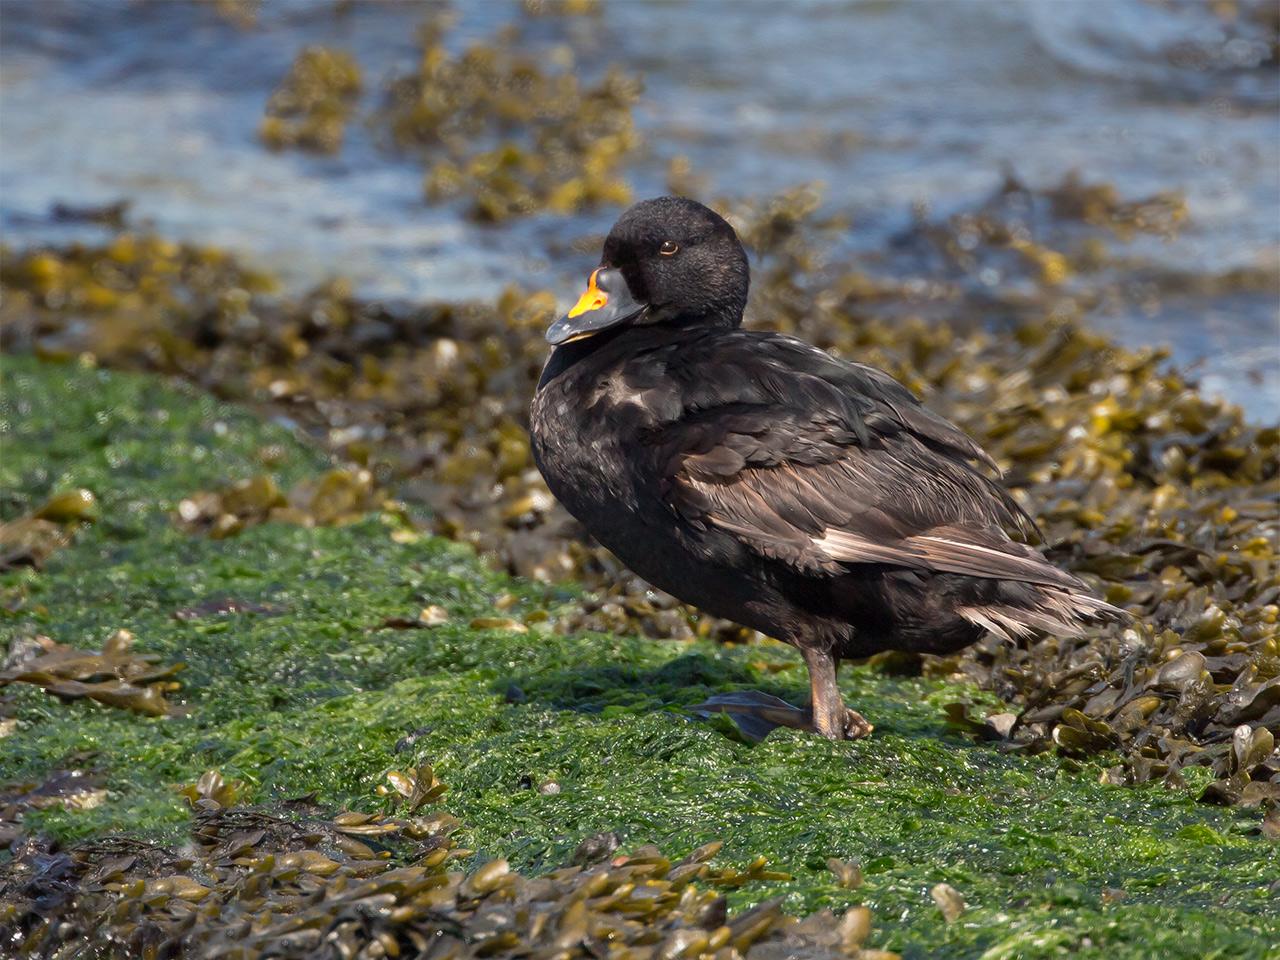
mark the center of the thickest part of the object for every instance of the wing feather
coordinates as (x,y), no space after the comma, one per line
(944,550)
(821,464)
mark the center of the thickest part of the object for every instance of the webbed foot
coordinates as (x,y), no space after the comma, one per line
(856,726)
(758,714)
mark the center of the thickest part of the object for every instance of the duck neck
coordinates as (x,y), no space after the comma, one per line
(714,321)
(586,354)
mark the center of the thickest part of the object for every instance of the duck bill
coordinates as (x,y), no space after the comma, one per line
(606,304)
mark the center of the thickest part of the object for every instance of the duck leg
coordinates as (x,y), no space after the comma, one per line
(756,713)
(831,718)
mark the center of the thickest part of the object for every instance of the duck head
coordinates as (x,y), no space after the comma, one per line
(666,261)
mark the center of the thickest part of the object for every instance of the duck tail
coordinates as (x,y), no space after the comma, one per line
(1059,611)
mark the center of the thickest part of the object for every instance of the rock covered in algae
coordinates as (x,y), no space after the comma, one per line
(1165,499)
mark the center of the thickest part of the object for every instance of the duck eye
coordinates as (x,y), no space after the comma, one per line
(669,248)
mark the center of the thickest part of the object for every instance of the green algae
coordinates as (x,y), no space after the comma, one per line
(302,689)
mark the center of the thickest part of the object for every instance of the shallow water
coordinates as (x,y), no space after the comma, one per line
(894,106)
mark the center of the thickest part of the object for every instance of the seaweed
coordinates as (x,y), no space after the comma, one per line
(495,127)
(339,496)
(313,103)
(308,883)
(503,132)
(30,540)
(117,676)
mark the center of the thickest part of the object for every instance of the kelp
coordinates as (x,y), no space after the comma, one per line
(1165,499)
(503,132)
(1100,205)
(337,497)
(30,540)
(493,126)
(242,14)
(115,677)
(65,789)
(561,8)
(304,882)
(313,103)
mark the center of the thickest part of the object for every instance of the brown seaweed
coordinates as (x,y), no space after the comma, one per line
(116,677)
(254,883)
(493,125)
(313,103)
(30,540)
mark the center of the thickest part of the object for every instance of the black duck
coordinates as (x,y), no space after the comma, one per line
(765,481)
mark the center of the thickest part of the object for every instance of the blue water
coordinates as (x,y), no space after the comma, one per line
(895,107)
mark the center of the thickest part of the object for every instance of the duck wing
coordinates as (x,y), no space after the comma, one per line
(820,464)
